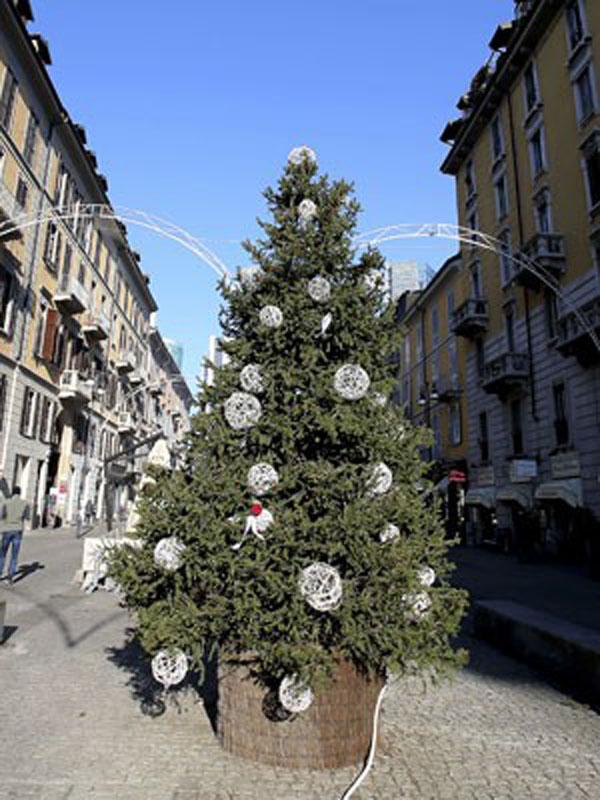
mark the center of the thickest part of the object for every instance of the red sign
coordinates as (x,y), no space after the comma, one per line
(456,476)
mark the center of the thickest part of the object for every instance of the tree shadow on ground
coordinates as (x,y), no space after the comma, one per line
(151,696)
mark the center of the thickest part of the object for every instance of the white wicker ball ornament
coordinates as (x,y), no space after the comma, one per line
(271,316)
(319,289)
(242,410)
(380,481)
(389,533)
(300,154)
(251,379)
(168,553)
(294,695)
(426,576)
(169,667)
(307,211)
(321,586)
(417,605)
(351,382)
(262,478)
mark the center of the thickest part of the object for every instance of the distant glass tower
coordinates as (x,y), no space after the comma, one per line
(176,350)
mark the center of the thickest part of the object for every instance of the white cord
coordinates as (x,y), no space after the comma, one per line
(360,778)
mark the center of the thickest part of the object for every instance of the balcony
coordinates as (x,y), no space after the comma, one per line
(126,423)
(505,373)
(125,363)
(471,318)
(573,337)
(96,326)
(448,388)
(7,231)
(136,378)
(155,389)
(74,388)
(70,297)
(547,250)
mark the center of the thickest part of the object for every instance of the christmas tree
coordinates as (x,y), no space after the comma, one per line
(298,530)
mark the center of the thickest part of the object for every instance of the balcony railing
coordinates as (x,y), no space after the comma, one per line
(96,326)
(136,377)
(126,423)
(448,388)
(74,388)
(126,363)
(548,251)
(71,297)
(471,318)
(505,372)
(573,337)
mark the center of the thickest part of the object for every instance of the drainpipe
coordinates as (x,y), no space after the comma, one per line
(521,238)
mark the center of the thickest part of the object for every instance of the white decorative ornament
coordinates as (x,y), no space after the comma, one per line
(307,211)
(251,379)
(426,576)
(168,553)
(242,410)
(249,277)
(294,695)
(169,667)
(319,289)
(321,585)
(300,154)
(257,522)
(271,316)
(380,399)
(380,481)
(418,605)
(325,323)
(351,382)
(389,533)
(262,478)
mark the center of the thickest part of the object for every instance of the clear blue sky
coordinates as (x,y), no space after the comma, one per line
(193,106)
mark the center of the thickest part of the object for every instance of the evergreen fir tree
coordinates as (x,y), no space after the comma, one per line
(327,506)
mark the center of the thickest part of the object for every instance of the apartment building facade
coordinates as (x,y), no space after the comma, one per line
(75,307)
(431,380)
(525,154)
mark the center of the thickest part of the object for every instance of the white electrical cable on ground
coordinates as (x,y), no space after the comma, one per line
(360,778)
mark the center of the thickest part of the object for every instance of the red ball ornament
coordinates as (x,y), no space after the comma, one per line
(256,509)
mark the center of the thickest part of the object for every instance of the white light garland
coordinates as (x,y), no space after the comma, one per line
(319,289)
(168,553)
(426,576)
(307,211)
(418,605)
(389,533)
(271,316)
(169,667)
(300,154)
(262,478)
(294,695)
(325,323)
(321,586)
(242,410)
(251,379)
(351,382)
(380,481)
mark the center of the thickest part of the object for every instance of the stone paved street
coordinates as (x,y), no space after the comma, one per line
(72,727)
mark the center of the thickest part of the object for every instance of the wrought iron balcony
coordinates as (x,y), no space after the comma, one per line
(448,388)
(471,318)
(71,297)
(548,251)
(573,337)
(125,363)
(136,378)
(74,388)
(155,389)
(505,373)
(96,326)
(126,423)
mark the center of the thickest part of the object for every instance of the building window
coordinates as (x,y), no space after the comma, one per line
(29,413)
(591,162)
(476,286)
(3,383)
(31,140)
(453,361)
(437,435)
(22,193)
(537,154)
(7,291)
(501,192)
(551,306)
(480,357)
(52,246)
(454,424)
(450,304)
(575,23)
(7,99)
(516,423)
(505,257)
(98,251)
(509,320)
(585,99)
(67,259)
(543,218)
(497,139)
(561,422)
(484,446)
(470,185)
(532,95)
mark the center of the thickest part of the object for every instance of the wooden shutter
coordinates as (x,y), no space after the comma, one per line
(49,337)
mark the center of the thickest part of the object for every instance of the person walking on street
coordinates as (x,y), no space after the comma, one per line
(14,512)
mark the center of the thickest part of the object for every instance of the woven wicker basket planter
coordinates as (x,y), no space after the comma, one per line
(334,732)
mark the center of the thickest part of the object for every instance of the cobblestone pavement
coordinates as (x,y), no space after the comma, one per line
(72,728)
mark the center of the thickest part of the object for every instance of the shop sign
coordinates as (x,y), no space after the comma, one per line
(457,476)
(523,470)
(565,465)
(485,476)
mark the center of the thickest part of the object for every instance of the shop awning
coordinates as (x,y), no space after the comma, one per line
(442,486)
(570,491)
(485,497)
(514,494)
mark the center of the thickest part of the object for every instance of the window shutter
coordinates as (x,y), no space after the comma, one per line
(49,337)
(25,412)
(33,428)
(2,400)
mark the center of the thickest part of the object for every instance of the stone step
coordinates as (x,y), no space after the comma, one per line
(564,651)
